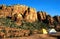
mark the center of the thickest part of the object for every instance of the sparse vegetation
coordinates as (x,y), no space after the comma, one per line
(25,25)
(21,20)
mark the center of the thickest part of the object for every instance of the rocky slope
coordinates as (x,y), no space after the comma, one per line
(21,20)
(28,14)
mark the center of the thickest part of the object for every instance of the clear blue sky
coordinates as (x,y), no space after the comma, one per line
(52,7)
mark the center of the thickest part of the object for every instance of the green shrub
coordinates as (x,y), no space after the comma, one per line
(37,25)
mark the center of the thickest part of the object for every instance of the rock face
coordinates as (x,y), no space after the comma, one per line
(22,12)
(57,18)
(50,19)
(41,15)
(18,13)
(25,13)
(5,11)
(30,15)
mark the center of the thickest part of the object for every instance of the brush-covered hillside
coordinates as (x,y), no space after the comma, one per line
(21,20)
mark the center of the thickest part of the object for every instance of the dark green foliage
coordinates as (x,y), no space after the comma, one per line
(25,25)
(4,31)
(39,25)
(35,25)
(7,22)
(55,23)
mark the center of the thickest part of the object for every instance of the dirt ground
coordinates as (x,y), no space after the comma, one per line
(35,36)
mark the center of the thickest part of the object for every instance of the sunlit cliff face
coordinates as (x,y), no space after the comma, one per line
(19,15)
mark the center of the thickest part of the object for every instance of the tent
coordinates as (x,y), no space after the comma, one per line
(52,31)
(44,31)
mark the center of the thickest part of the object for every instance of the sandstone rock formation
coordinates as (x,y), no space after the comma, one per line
(30,15)
(50,19)
(57,18)
(41,15)
(18,13)
(22,12)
